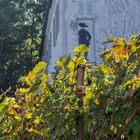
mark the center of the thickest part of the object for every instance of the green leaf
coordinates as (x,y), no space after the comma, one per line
(109,39)
(108,108)
(63,59)
(132,58)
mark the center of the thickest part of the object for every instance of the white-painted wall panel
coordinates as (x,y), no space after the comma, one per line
(118,18)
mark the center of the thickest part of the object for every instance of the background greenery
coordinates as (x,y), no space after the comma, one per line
(21,23)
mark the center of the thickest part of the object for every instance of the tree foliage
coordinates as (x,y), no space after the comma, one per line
(20,35)
(111,110)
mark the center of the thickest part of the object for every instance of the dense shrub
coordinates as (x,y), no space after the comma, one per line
(43,110)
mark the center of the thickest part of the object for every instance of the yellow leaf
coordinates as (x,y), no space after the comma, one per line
(132,46)
(114,129)
(88,96)
(16,106)
(28,97)
(77,50)
(119,42)
(83,48)
(35,131)
(39,67)
(80,60)
(58,63)
(42,99)
(11,111)
(24,90)
(31,130)
(97,102)
(33,108)
(37,120)
(74,59)
(71,66)
(32,77)
(26,80)
(8,100)
(28,115)
(43,81)
(17,117)
(67,107)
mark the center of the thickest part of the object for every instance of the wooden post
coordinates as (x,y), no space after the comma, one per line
(79,94)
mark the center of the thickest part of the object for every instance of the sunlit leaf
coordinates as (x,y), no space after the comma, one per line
(71,66)
(40,66)
(80,60)
(67,107)
(88,96)
(28,115)
(119,42)
(83,48)
(109,39)
(24,90)
(77,50)
(114,129)
(17,117)
(37,120)
(61,74)
(97,101)
(132,46)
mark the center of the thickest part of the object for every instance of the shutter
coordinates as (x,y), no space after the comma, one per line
(85,8)
(81,8)
(89,8)
(49,50)
(55,25)
(54,32)
(57,20)
(50,45)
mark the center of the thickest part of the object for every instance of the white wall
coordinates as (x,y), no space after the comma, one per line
(118,18)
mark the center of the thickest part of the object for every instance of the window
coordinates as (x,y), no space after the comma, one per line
(85,8)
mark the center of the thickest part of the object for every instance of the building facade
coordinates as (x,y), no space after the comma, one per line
(71,22)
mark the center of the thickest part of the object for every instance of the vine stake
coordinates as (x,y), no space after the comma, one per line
(79,93)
